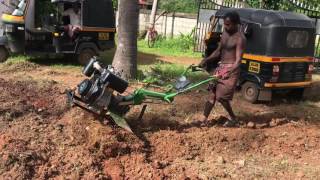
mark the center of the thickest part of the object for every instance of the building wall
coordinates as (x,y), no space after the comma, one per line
(169,24)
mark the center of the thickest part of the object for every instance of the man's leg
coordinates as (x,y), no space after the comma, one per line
(70,32)
(227,106)
(75,31)
(208,108)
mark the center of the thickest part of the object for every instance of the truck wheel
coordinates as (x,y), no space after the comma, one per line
(250,92)
(4,54)
(85,55)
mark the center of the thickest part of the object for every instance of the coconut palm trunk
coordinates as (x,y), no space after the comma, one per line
(125,59)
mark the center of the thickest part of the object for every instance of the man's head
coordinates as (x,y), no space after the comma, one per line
(231,22)
(75,7)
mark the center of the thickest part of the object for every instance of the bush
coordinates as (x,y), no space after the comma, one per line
(182,43)
(164,74)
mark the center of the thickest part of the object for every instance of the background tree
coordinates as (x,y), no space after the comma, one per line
(125,58)
(185,6)
(115,4)
(282,4)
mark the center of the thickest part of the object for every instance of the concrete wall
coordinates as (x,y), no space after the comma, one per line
(169,24)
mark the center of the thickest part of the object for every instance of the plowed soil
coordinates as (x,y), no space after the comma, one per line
(42,138)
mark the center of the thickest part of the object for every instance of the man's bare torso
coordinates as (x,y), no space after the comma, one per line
(229,47)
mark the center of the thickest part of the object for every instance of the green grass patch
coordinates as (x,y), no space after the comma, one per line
(14,59)
(181,46)
(164,73)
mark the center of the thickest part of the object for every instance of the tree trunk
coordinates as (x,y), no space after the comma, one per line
(153,12)
(152,16)
(125,59)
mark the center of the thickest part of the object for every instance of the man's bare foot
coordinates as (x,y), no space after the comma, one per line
(232,122)
(204,121)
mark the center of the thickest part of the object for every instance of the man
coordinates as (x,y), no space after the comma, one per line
(74,15)
(229,53)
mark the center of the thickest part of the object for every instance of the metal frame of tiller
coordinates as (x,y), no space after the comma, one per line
(142,96)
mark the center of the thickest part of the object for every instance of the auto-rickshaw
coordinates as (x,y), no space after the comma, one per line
(31,29)
(278,55)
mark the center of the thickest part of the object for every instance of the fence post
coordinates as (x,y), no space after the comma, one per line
(172,25)
(165,25)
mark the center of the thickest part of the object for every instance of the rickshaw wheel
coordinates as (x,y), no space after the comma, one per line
(250,92)
(4,54)
(85,55)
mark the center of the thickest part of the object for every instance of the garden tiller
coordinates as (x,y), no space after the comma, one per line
(102,93)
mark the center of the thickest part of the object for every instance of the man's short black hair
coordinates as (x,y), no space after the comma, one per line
(233,16)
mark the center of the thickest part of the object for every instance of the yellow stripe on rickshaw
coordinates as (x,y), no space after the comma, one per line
(276,59)
(293,84)
(97,29)
(12,19)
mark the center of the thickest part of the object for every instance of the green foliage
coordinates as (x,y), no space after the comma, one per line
(254,3)
(280,4)
(165,74)
(185,6)
(115,4)
(181,45)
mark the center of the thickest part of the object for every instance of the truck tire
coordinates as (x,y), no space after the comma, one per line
(85,55)
(250,92)
(4,54)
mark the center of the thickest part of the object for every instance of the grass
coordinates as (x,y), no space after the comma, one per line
(16,59)
(57,62)
(164,73)
(166,51)
(180,46)
(177,47)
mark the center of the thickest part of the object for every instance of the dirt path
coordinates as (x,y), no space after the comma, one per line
(41,138)
(146,59)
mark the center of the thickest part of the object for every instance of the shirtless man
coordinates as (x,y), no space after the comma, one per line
(74,15)
(229,53)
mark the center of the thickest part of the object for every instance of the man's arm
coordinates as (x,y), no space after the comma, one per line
(213,57)
(239,52)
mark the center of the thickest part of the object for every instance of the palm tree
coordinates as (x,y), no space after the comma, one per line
(125,59)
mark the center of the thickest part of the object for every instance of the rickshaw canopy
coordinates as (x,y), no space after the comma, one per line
(269,17)
(275,33)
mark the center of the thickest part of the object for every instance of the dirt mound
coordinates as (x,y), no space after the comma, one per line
(19,98)
(41,138)
(40,135)
(21,66)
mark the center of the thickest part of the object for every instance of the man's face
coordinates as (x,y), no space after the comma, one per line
(230,27)
(75,8)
